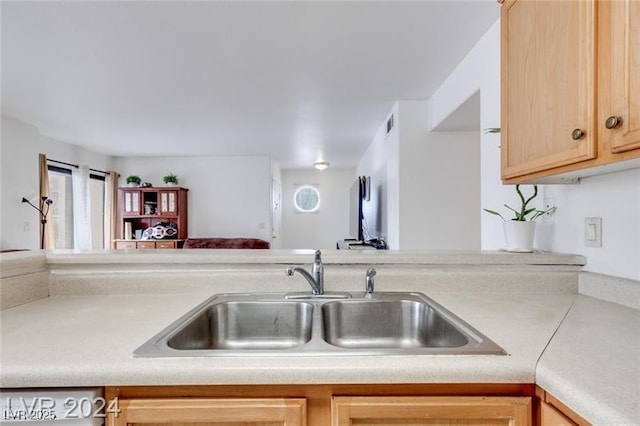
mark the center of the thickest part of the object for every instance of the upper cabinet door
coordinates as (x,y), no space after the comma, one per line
(623,120)
(168,203)
(548,87)
(130,202)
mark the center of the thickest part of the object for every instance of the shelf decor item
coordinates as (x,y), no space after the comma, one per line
(133,180)
(520,231)
(170,179)
(163,230)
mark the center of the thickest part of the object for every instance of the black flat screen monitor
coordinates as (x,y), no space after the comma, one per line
(356,195)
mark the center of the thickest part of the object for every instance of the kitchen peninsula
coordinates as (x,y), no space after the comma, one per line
(73,320)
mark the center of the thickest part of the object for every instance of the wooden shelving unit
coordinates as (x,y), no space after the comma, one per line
(140,209)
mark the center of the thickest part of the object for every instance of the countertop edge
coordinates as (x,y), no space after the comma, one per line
(376,257)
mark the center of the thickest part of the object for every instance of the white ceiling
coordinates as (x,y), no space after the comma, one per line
(301,81)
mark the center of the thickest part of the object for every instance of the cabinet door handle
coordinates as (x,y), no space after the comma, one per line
(577,134)
(612,122)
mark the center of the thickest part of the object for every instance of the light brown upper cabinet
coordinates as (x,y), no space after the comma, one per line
(570,88)
(622,106)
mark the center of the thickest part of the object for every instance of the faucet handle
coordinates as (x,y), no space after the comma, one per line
(289,271)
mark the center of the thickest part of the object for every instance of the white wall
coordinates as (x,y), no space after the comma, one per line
(615,197)
(439,183)
(228,196)
(480,71)
(323,228)
(424,183)
(381,162)
(20,144)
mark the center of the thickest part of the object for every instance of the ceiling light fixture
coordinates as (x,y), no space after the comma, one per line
(321,165)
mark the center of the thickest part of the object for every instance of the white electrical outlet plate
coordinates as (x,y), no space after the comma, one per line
(593,231)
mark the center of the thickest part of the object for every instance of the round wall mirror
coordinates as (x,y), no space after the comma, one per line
(306,199)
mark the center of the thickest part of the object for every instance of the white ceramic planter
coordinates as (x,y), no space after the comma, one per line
(519,235)
(172,184)
(132,185)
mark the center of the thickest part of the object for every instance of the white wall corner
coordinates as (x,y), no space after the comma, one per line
(466,79)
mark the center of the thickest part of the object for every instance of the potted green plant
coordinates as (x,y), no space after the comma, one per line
(133,180)
(520,230)
(170,179)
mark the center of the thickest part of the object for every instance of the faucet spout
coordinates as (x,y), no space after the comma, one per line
(315,278)
(315,289)
(369,283)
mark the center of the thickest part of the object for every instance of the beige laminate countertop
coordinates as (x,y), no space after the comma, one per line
(583,350)
(87,341)
(191,257)
(593,362)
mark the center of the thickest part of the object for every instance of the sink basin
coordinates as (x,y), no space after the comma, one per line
(388,324)
(247,325)
(329,325)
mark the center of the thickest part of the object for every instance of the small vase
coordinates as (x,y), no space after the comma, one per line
(132,184)
(519,235)
(172,184)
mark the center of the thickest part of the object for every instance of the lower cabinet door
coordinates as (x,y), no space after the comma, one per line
(431,411)
(213,412)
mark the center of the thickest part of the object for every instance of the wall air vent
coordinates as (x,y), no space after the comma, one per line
(390,124)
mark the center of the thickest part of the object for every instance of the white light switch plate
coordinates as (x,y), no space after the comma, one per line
(593,231)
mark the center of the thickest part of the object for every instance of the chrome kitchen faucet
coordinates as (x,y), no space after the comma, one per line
(315,278)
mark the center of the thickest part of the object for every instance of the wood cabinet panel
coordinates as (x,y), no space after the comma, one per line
(569,65)
(218,412)
(126,244)
(144,208)
(624,54)
(149,244)
(548,72)
(555,413)
(168,202)
(130,202)
(210,424)
(431,411)
(549,416)
(146,245)
(319,398)
(166,244)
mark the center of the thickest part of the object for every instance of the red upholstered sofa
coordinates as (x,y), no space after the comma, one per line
(226,243)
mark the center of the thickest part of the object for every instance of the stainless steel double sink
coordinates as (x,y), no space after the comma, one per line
(335,324)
